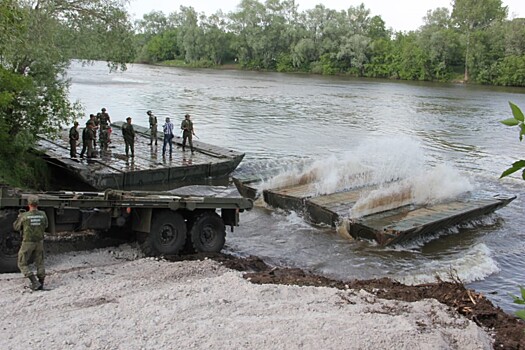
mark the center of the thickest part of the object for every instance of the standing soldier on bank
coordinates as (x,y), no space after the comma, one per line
(152,128)
(129,137)
(187,132)
(32,225)
(73,139)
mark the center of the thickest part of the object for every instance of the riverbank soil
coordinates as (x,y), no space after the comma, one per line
(508,330)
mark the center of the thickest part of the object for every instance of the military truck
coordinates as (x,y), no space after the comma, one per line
(164,223)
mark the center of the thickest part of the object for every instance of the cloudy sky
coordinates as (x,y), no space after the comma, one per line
(398,14)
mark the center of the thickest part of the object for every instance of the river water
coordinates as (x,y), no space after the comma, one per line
(446,137)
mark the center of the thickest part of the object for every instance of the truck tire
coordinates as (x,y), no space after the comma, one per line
(208,233)
(167,235)
(10,241)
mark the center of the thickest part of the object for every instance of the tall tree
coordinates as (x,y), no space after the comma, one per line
(475,15)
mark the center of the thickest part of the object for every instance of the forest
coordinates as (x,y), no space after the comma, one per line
(475,42)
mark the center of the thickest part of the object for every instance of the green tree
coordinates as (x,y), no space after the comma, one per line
(441,42)
(38,41)
(472,16)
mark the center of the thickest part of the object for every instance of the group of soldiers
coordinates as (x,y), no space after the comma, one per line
(97,123)
(101,123)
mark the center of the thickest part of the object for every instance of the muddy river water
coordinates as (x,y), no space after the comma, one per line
(446,134)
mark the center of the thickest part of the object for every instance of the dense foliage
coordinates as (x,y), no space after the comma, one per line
(475,42)
(38,39)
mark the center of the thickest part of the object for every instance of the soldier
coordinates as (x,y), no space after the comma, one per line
(73,139)
(129,137)
(104,122)
(32,225)
(85,140)
(152,128)
(103,118)
(94,119)
(187,132)
(90,139)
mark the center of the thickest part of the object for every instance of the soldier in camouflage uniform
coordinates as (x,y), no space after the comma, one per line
(104,122)
(32,225)
(88,139)
(103,118)
(73,139)
(129,137)
(152,128)
(187,132)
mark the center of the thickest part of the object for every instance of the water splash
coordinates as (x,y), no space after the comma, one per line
(394,170)
(474,265)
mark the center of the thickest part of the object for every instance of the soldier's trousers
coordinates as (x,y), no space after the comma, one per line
(130,146)
(32,251)
(73,149)
(153,134)
(187,135)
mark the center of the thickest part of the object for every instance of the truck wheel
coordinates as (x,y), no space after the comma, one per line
(167,235)
(208,233)
(10,241)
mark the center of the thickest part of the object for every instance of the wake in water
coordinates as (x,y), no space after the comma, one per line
(393,169)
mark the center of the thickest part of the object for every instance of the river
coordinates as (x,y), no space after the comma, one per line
(448,134)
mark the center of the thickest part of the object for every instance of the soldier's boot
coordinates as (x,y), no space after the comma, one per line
(35,285)
(41,281)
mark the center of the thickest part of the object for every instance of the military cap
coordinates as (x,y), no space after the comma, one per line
(103,109)
(148,112)
(32,200)
(75,123)
(128,118)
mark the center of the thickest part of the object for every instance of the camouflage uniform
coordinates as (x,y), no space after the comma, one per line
(104,121)
(152,128)
(32,224)
(187,127)
(129,137)
(90,139)
(104,138)
(73,139)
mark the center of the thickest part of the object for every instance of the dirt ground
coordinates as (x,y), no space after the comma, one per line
(118,280)
(508,330)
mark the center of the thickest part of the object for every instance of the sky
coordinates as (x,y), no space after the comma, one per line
(403,15)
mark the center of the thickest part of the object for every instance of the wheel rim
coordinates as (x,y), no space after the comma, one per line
(208,235)
(168,234)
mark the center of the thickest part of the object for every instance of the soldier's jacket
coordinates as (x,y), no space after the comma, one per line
(128,132)
(32,224)
(91,134)
(103,119)
(187,125)
(73,134)
(152,121)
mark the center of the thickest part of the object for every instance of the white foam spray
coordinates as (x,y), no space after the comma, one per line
(395,168)
(473,265)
